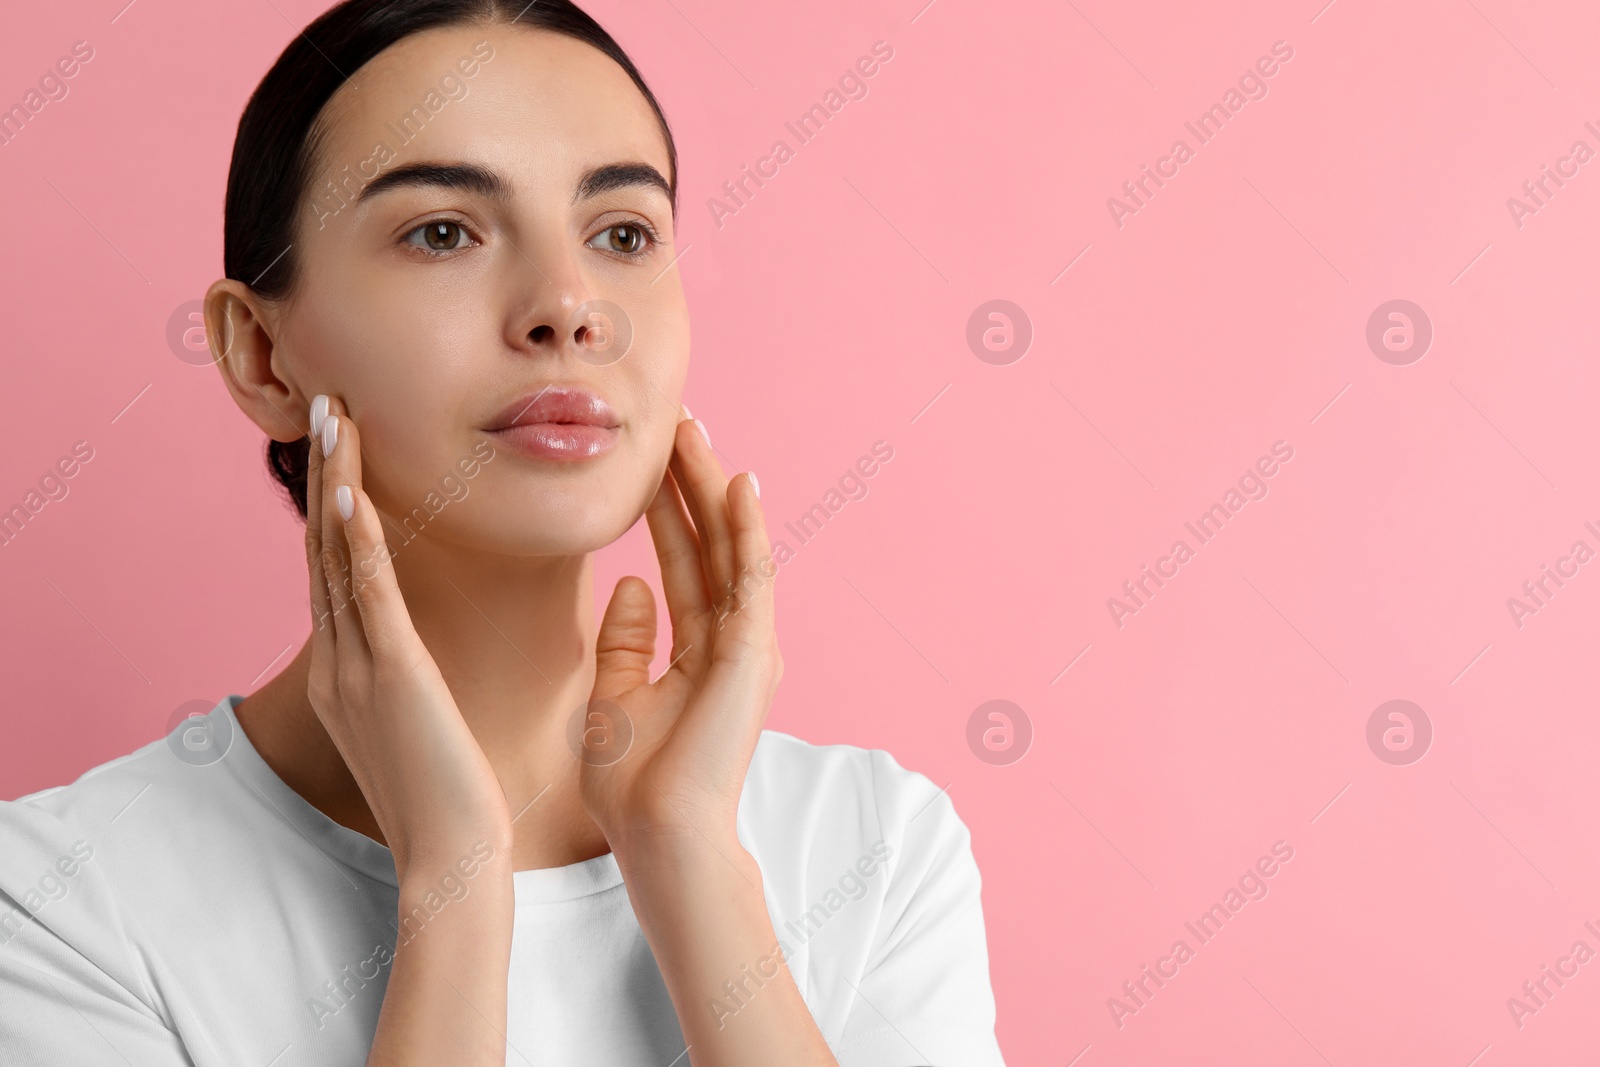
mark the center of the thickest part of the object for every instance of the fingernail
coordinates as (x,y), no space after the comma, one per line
(319,411)
(754,484)
(703,432)
(684,411)
(330,434)
(346,500)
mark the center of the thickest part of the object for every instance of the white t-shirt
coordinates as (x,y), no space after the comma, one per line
(182,905)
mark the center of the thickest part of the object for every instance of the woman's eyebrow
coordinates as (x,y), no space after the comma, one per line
(476,178)
(597,180)
(470,177)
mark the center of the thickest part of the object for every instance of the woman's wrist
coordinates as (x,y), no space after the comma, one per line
(701,906)
(683,855)
(671,877)
(452,945)
(442,876)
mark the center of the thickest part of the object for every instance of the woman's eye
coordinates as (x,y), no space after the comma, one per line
(439,236)
(625,239)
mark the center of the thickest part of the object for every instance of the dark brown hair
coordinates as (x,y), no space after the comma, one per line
(273,151)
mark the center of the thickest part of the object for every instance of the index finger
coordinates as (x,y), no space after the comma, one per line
(320,599)
(705,491)
(683,577)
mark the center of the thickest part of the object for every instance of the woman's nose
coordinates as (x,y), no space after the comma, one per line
(603,333)
(565,316)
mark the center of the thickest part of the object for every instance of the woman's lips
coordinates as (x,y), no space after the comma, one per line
(558,440)
(559,421)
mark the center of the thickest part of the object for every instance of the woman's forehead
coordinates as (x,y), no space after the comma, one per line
(491,89)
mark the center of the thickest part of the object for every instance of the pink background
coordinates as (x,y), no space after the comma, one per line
(1228,313)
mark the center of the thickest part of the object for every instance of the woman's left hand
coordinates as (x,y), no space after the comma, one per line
(665,761)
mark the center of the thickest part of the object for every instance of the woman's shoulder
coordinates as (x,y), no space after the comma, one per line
(60,827)
(875,898)
(811,805)
(790,774)
(133,839)
(106,805)
(126,804)
(60,913)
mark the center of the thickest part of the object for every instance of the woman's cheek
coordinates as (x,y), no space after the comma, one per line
(406,454)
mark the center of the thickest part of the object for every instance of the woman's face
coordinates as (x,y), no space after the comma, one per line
(515,276)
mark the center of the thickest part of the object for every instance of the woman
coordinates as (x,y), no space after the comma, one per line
(464,826)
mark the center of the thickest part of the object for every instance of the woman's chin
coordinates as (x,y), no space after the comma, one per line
(529,523)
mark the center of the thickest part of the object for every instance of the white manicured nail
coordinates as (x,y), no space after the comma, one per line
(703,432)
(347,501)
(684,410)
(319,411)
(754,484)
(330,434)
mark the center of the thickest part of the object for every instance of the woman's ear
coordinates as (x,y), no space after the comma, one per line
(239,328)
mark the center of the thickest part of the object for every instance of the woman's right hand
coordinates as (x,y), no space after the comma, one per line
(432,791)
(374,684)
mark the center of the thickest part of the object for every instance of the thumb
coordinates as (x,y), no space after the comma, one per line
(627,640)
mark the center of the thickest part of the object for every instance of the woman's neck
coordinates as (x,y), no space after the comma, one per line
(514,640)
